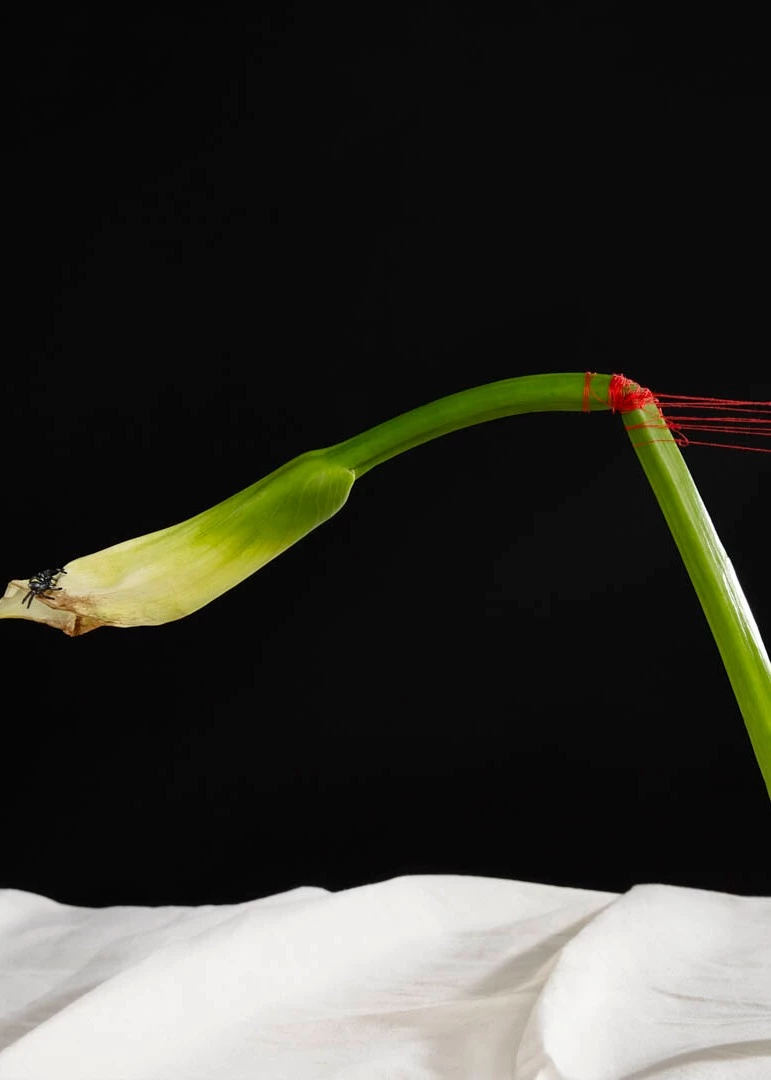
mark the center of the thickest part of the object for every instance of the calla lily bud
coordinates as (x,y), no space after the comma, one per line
(168,574)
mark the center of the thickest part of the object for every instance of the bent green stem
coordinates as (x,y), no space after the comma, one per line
(713,577)
(712,574)
(509,397)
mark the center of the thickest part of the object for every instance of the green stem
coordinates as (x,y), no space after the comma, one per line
(710,570)
(712,574)
(530,393)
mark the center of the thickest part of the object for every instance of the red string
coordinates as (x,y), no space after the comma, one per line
(709,415)
(587,405)
(683,440)
(624,396)
(688,401)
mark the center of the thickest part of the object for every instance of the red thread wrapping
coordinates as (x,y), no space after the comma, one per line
(625,395)
(586,404)
(747,418)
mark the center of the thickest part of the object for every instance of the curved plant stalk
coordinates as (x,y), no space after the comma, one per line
(169,574)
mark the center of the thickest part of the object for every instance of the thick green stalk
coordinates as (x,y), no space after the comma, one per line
(712,574)
(509,397)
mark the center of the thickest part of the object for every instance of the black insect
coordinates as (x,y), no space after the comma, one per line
(42,583)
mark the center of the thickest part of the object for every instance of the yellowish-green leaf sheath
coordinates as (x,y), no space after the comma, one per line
(168,574)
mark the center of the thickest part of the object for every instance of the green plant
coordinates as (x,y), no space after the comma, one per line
(168,574)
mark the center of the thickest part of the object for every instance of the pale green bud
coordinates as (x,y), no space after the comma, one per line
(166,575)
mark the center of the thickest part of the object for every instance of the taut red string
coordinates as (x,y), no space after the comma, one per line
(747,418)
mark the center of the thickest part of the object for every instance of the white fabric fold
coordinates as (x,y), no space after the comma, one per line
(415,978)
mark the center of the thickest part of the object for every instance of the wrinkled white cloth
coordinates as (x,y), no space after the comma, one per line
(418,978)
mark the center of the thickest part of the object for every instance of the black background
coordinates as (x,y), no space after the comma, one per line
(229,241)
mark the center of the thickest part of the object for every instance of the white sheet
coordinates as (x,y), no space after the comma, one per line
(410,979)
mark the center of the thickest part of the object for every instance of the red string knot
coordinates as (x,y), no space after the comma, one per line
(625,395)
